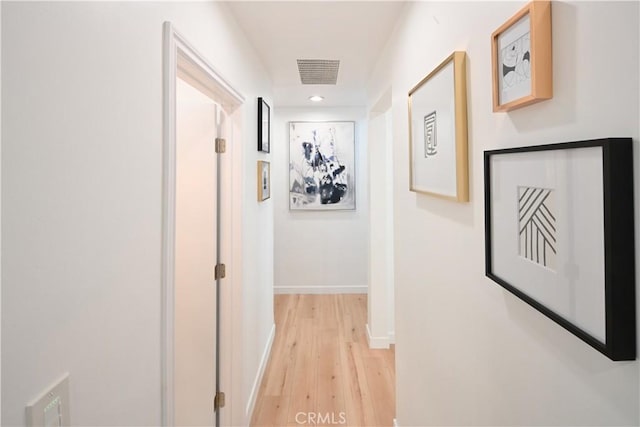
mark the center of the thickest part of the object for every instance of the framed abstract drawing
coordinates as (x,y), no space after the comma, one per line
(322,173)
(264,180)
(521,58)
(559,234)
(264,126)
(438,149)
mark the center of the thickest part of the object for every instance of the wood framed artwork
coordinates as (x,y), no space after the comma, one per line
(438,148)
(559,234)
(521,58)
(322,172)
(264,126)
(264,180)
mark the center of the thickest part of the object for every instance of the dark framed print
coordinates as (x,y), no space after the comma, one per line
(264,126)
(559,234)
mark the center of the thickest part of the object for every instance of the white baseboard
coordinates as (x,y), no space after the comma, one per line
(395,423)
(392,337)
(376,342)
(320,290)
(253,396)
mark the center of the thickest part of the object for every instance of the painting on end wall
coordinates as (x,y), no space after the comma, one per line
(322,166)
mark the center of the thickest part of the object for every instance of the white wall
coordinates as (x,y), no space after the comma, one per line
(258,256)
(319,252)
(81,201)
(467,351)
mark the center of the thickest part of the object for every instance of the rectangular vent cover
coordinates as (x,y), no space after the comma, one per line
(318,71)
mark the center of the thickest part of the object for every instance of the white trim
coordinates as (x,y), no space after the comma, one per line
(320,290)
(395,423)
(194,65)
(392,337)
(376,342)
(168,223)
(266,354)
(180,59)
(235,289)
(0,204)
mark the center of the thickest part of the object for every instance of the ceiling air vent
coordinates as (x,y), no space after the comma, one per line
(318,71)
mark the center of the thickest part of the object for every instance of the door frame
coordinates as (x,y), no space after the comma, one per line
(182,60)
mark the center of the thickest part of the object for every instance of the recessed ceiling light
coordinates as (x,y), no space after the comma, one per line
(316,98)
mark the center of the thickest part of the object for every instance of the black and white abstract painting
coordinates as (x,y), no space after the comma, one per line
(322,165)
(537,225)
(430,135)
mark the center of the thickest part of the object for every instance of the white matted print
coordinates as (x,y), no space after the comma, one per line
(514,59)
(264,180)
(322,165)
(522,59)
(559,221)
(561,193)
(435,167)
(438,131)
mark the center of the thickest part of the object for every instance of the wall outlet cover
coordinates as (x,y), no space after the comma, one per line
(51,409)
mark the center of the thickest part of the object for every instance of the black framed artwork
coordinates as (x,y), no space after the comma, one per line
(559,234)
(264,126)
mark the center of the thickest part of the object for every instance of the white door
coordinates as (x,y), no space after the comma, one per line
(195,257)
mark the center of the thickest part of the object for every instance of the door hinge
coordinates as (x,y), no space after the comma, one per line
(221,145)
(218,401)
(220,271)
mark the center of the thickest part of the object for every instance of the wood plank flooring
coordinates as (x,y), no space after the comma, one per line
(321,371)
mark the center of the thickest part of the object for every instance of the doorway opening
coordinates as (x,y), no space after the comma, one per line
(333,357)
(201,309)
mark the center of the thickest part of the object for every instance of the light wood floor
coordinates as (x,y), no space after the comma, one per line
(321,370)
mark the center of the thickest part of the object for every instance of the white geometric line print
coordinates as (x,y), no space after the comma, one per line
(537,225)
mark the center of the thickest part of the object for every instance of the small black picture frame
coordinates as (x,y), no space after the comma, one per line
(264,126)
(559,234)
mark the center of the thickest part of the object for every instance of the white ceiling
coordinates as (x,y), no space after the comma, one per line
(354,32)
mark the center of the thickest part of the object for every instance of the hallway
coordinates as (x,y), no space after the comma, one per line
(321,370)
(87,283)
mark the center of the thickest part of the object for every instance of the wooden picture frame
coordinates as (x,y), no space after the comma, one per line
(438,148)
(264,180)
(521,58)
(559,235)
(264,126)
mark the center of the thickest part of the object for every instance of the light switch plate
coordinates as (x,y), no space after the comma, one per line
(51,409)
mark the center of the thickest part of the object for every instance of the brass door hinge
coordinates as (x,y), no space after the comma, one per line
(220,271)
(221,145)
(218,401)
